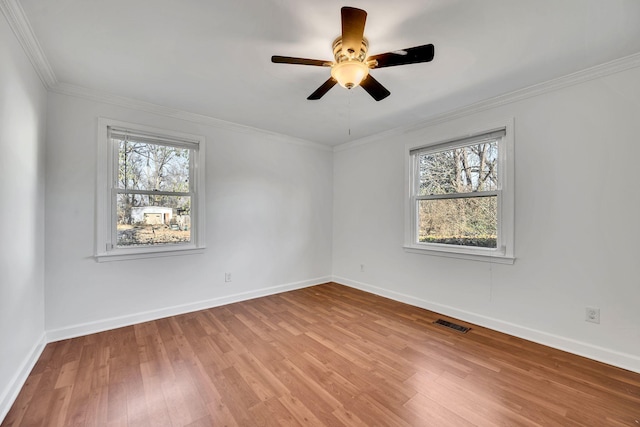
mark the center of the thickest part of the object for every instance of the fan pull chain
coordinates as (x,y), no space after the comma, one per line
(349,112)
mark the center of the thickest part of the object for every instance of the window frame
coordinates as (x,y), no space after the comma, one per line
(504,252)
(106,248)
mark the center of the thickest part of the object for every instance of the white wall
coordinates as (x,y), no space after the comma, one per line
(577,224)
(22,129)
(268,222)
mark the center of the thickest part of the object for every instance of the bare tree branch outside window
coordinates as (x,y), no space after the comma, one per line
(153,201)
(461,203)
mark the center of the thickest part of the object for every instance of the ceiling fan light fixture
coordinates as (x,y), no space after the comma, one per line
(352,62)
(349,74)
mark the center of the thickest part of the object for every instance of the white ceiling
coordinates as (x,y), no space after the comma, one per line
(213,57)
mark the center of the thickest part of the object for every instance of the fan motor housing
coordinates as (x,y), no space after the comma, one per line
(342,55)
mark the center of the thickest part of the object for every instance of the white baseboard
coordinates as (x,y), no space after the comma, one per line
(10,393)
(622,360)
(132,319)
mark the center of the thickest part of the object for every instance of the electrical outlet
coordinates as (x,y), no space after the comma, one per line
(227,277)
(592,314)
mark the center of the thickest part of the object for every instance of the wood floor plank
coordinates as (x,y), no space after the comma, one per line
(300,412)
(434,414)
(348,418)
(272,413)
(327,355)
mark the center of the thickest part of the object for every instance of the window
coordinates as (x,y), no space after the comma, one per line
(150,192)
(461,196)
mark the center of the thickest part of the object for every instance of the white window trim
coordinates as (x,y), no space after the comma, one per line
(105,249)
(504,253)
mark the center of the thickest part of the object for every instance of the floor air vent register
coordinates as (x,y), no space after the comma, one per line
(453,326)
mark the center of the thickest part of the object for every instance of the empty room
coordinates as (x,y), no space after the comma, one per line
(280,212)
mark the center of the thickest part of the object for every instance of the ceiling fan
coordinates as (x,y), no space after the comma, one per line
(351,66)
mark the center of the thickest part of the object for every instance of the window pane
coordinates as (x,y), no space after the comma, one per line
(468,221)
(460,170)
(153,220)
(144,166)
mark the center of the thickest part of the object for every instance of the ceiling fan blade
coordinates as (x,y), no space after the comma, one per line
(319,93)
(374,88)
(352,28)
(300,61)
(412,55)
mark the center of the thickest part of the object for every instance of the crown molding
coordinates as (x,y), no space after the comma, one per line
(12,10)
(122,101)
(592,73)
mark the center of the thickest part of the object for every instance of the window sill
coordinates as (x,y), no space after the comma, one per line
(484,255)
(129,254)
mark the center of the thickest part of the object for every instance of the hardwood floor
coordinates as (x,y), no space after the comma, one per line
(326,355)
